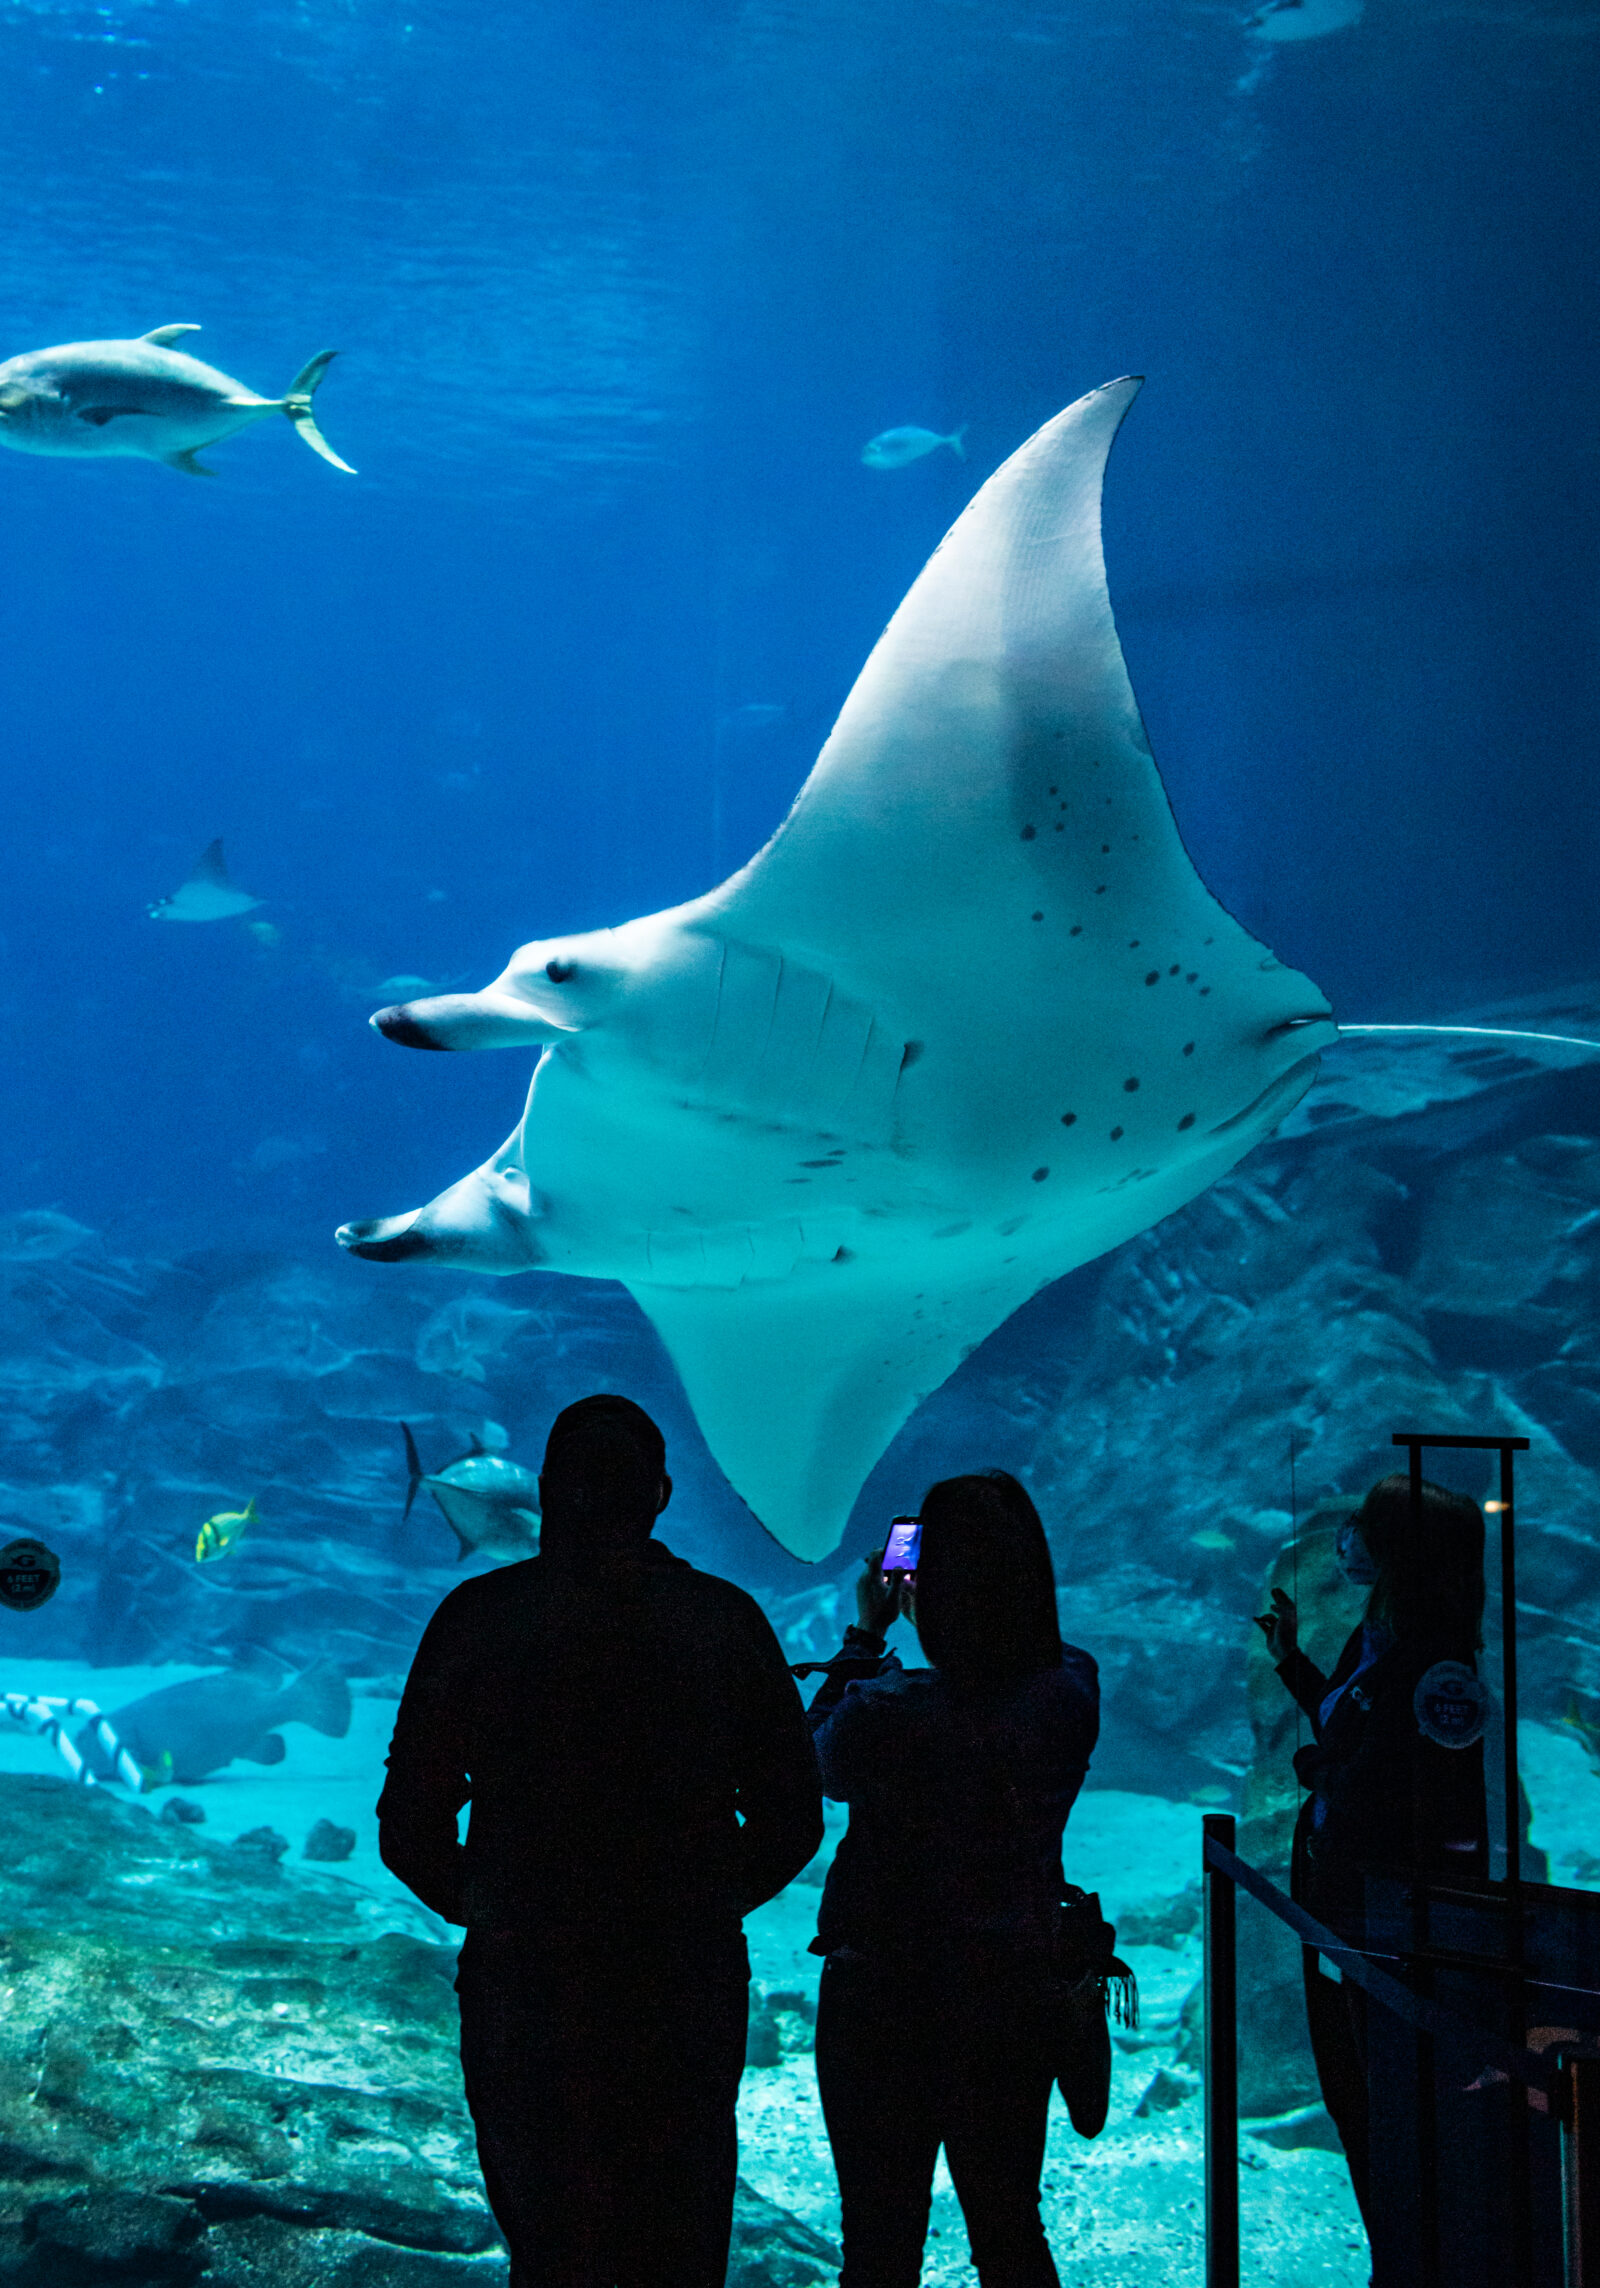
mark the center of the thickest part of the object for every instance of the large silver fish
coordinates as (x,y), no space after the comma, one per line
(490,1505)
(142,397)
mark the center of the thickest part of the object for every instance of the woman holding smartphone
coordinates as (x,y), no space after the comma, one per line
(940,1912)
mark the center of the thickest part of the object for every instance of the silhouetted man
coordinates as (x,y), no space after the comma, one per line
(641,1775)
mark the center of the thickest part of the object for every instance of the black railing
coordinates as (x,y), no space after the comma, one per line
(1563,2082)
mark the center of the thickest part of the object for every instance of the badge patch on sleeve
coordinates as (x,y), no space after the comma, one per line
(1451,1705)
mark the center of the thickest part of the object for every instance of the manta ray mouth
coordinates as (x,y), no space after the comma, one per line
(1278,1097)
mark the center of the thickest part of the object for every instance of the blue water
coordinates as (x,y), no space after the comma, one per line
(619,293)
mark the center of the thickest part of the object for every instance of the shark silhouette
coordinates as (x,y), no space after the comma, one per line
(970,1019)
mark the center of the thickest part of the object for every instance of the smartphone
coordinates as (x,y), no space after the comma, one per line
(901,1548)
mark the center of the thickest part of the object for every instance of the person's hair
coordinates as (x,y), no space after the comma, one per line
(604,1462)
(986,1589)
(1430,1570)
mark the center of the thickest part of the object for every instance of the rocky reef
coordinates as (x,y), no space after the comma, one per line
(218,2071)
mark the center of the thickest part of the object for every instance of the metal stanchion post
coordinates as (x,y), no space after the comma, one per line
(1580,2169)
(1221,2067)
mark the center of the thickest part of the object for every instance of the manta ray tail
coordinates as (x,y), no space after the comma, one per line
(297,405)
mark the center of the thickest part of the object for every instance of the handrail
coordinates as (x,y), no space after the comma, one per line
(1571,2082)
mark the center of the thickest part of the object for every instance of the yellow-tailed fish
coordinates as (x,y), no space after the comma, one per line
(218,1535)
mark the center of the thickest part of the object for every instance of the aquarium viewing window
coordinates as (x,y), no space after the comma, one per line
(959,635)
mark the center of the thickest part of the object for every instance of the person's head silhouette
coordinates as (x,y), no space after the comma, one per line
(604,1481)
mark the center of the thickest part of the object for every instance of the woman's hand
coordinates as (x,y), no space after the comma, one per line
(1280,1627)
(878,1598)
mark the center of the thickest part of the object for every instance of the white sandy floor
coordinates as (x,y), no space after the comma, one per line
(1125,2209)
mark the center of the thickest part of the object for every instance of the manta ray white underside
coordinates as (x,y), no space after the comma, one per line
(968,1020)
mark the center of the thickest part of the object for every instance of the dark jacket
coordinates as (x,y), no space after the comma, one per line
(612,1731)
(1383,1793)
(957,1798)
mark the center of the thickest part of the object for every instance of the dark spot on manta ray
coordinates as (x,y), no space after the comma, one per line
(559,972)
(1068,1119)
(1173,971)
(1076,930)
(1133,945)
(1187,1121)
(1154,977)
(1204,990)
(843,1255)
(910,1054)
(1208,941)
(1130,1085)
(1038,917)
(1060,829)
(1116,1135)
(1028,833)
(1105,849)
(1039,1175)
(1099,889)
(1056,790)
(1188,1048)
(832,1163)
(797,1179)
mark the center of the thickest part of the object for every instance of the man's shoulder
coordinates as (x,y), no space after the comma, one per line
(478,1602)
(711,1593)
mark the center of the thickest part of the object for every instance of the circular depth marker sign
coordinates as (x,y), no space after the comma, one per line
(30,1574)
(1452,1705)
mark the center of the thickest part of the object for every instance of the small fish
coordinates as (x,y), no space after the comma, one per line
(39,1235)
(187,1730)
(207,895)
(490,1505)
(461,1334)
(218,1535)
(1209,1538)
(756,716)
(1303,19)
(142,397)
(266,934)
(896,448)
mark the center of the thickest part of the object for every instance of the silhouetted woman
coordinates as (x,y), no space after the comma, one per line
(940,1911)
(1396,1768)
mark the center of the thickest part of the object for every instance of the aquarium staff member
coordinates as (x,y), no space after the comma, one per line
(1396,1768)
(641,1775)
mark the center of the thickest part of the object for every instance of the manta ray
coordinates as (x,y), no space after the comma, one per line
(205,894)
(968,1020)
